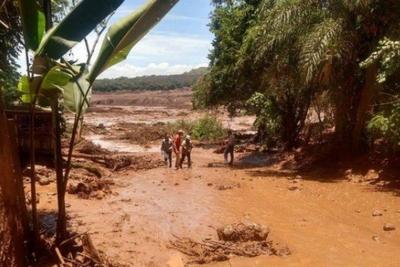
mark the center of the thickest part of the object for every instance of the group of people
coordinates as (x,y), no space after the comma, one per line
(180,146)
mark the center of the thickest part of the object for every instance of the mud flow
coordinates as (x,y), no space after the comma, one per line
(258,212)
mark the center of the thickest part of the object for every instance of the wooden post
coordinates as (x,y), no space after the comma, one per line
(12,252)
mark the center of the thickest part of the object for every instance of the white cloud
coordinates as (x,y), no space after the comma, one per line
(157,53)
(164,68)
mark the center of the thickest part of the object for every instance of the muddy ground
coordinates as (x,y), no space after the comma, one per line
(322,218)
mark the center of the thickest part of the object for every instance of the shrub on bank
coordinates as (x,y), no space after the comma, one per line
(207,128)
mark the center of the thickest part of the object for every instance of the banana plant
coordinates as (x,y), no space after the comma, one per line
(51,79)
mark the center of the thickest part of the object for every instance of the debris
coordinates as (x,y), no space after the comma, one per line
(44,181)
(248,240)
(376,213)
(227,187)
(88,147)
(243,232)
(294,188)
(90,188)
(389,227)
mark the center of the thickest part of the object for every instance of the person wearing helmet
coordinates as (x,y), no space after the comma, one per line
(177,148)
(186,151)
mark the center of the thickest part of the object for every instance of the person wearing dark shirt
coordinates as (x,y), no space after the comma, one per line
(166,149)
(229,147)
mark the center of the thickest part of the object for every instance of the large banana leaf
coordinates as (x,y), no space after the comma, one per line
(74,95)
(26,88)
(63,80)
(76,26)
(124,34)
(33,22)
(59,81)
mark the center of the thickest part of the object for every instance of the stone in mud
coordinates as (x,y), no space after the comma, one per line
(371,175)
(389,227)
(44,181)
(241,232)
(100,195)
(294,188)
(377,213)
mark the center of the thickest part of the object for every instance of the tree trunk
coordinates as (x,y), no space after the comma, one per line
(345,104)
(61,219)
(368,92)
(11,222)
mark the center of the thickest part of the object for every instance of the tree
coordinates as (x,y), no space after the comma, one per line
(292,50)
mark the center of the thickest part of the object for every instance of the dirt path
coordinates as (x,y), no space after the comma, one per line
(323,223)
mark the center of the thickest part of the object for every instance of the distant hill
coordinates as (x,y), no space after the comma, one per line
(152,82)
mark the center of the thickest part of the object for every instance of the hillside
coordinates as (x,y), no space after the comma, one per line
(152,82)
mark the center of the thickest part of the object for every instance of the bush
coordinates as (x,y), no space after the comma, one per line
(185,125)
(386,126)
(208,128)
(267,121)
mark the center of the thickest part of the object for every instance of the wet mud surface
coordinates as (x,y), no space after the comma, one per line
(324,222)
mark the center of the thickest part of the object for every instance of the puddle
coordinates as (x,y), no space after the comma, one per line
(120,146)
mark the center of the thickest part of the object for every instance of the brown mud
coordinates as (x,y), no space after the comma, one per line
(325,219)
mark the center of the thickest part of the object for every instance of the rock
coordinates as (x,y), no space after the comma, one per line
(240,232)
(209,184)
(44,181)
(375,238)
(376,213)
(299,177)
(348,172)
(293,188)
(100,195)
(371,175)
(176,184)
(389,227)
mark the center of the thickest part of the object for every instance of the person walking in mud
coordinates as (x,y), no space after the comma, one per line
(177,148)
(229,147)
(166,149)
(186,151)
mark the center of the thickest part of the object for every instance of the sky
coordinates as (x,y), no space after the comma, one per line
(179,42)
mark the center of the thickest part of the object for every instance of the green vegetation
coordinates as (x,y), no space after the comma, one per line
(385,126)
(153,82)
(207,128)
(285,60)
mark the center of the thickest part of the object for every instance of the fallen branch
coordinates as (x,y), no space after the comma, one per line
(59,255)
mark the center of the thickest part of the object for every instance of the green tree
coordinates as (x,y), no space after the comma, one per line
(291,50)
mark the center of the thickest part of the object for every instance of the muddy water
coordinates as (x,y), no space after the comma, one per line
(324,224)
(121,146)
